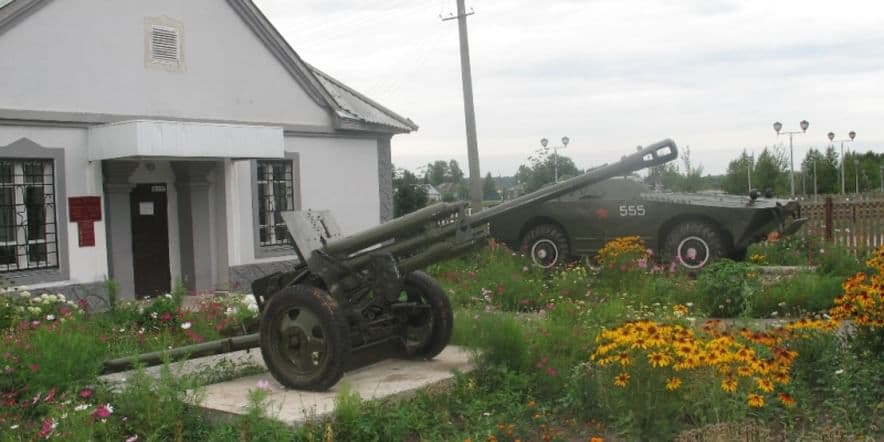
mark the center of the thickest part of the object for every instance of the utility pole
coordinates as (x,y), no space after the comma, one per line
(469,109)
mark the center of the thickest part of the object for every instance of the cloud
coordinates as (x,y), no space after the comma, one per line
(611,74)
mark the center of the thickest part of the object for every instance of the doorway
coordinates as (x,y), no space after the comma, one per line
(150,240)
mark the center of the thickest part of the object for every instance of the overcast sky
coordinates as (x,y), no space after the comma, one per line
(610,74)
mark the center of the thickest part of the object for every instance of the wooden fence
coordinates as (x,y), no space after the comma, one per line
(856,224)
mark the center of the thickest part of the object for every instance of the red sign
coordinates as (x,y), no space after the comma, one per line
(85,208)
(87,233)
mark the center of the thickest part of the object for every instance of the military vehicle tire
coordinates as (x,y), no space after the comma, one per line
(305,339)
(433,329)
(547,246)
(693,245)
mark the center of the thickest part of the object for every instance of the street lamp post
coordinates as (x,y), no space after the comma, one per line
(778,127)
(856,175)
(544,142)
(831,136)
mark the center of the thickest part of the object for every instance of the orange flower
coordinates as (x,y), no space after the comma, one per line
(596,439)
(787,399)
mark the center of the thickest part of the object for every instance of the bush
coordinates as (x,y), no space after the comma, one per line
(838,261)
(795,250)
(803,293)
(726,288)
(499,336)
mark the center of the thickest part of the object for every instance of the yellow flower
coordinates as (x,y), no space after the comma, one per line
(658,359)
(672,384)
(622,380)
(729,385)
(755,401)
(680,310)
(764,385)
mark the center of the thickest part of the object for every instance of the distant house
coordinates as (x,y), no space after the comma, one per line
(432,193)
(147,141)
(447,189)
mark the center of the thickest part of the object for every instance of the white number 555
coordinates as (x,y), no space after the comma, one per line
(632,210)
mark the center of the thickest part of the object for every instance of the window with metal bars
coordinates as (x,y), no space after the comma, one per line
(28,230)
(275,194)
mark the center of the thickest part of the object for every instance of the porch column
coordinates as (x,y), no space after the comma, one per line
(194,220)
(118,216)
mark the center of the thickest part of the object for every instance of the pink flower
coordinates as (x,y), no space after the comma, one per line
(552,371)
(103,411)
(47,428)
(86,393)
(263,384)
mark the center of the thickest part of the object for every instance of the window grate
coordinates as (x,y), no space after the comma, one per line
(275,195)
(164,44)
(28,229)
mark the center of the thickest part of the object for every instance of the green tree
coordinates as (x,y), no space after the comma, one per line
(771,171)
(540,170)
(736,179)
(436,172)
(693,175)
(408,193)
(821,169)
(489,189)
(455,173)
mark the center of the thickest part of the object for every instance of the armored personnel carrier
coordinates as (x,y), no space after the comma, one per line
(692,229)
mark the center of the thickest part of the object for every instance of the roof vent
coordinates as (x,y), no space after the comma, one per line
(165,46)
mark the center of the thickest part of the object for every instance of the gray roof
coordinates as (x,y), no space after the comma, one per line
(354,106)
(352,110)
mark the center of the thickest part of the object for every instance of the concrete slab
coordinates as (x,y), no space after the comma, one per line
(393,378)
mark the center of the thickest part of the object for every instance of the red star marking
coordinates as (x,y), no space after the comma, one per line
(602,213)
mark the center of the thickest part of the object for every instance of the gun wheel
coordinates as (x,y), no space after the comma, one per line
(694,244)
(304,338)
(428,330)
(547,245)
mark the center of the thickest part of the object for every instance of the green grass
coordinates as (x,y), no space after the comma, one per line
(533,332)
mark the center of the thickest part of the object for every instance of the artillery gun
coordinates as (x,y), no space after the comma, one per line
(352,299)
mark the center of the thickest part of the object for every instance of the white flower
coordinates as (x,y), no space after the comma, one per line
(168,295)
(839,371)
(13,427)
(253,307)
(50,317)
(154,315)
(185,326)
(61,297)
(122,330)
(81,407)
(689,304)
(230,311)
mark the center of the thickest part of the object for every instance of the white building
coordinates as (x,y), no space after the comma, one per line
(190,124)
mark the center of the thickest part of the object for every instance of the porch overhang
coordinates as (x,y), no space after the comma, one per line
(159,138)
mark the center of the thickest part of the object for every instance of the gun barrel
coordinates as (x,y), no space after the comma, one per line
(189,352)
(653,155)
(359,241)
